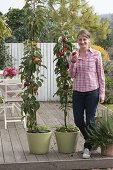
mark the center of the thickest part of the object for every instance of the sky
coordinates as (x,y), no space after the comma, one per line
(102,6)
(99,6)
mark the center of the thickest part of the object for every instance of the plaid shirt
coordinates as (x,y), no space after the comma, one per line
(88,73)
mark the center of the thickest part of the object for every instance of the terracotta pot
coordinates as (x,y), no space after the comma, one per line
(107,150)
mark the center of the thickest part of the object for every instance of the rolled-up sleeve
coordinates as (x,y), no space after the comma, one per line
(101,76)
(72,67)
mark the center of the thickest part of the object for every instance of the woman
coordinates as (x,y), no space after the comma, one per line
(86,68)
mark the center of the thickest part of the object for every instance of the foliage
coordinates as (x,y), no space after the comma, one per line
(1,99)
(19,21)
(31,66)
(41,129)
(35,17)
(16,23)
(73,15)
(109,90)
(5,31)
(102,133)
(108,42)
(108,69)
(104,53)
(68,128)
(5,58)
(55,17)
(62,51)
(110,106)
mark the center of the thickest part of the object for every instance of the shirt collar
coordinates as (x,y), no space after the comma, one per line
(89,50)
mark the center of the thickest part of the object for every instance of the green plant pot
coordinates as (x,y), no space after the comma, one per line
(66,141)
(39,142)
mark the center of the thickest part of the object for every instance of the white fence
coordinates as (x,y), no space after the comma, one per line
(49,87)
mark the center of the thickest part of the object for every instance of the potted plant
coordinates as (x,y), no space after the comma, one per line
(38,135)
(101,134)
(9,72)
(66,135)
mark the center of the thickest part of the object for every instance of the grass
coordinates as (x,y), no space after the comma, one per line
(110,106)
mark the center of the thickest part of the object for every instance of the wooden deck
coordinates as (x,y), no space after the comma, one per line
(14,151)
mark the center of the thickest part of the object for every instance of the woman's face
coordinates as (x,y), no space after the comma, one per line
(83,42)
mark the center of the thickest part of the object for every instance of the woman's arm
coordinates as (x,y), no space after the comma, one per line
(72,63)
(101,77)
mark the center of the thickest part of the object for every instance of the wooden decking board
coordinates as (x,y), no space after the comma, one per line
(60,165)
(41,157)
(1,151)
(52,155)
(15,155)
(23,140)
(7,147)
(16,145)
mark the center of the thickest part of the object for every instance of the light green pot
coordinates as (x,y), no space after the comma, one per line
(39,142)
(66,141)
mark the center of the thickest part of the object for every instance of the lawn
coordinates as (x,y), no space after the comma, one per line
(110,106)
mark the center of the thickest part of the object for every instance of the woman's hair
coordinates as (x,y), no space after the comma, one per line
(84,33)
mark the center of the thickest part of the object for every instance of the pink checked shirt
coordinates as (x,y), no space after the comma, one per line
(88,73)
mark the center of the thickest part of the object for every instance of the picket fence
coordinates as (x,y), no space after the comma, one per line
(49,86)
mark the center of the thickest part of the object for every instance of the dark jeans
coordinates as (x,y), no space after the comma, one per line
(84,109)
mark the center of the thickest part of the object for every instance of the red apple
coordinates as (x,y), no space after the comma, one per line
(74,53)
(26,83)
(36,60)
(35,88)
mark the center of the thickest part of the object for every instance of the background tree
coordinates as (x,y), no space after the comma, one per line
(16,23)
(73,15)
(108,42)
(5,58)
(4,28)
(66,15)
(34,22)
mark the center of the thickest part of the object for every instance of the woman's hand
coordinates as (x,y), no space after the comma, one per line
(101,101)
(74,56)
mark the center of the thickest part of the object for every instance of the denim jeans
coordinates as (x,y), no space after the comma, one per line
(84,109)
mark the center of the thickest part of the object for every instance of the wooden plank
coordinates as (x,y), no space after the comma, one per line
(17,147)
(23,139)
(7,146)
(1,151)
(42,157)
(61,165)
